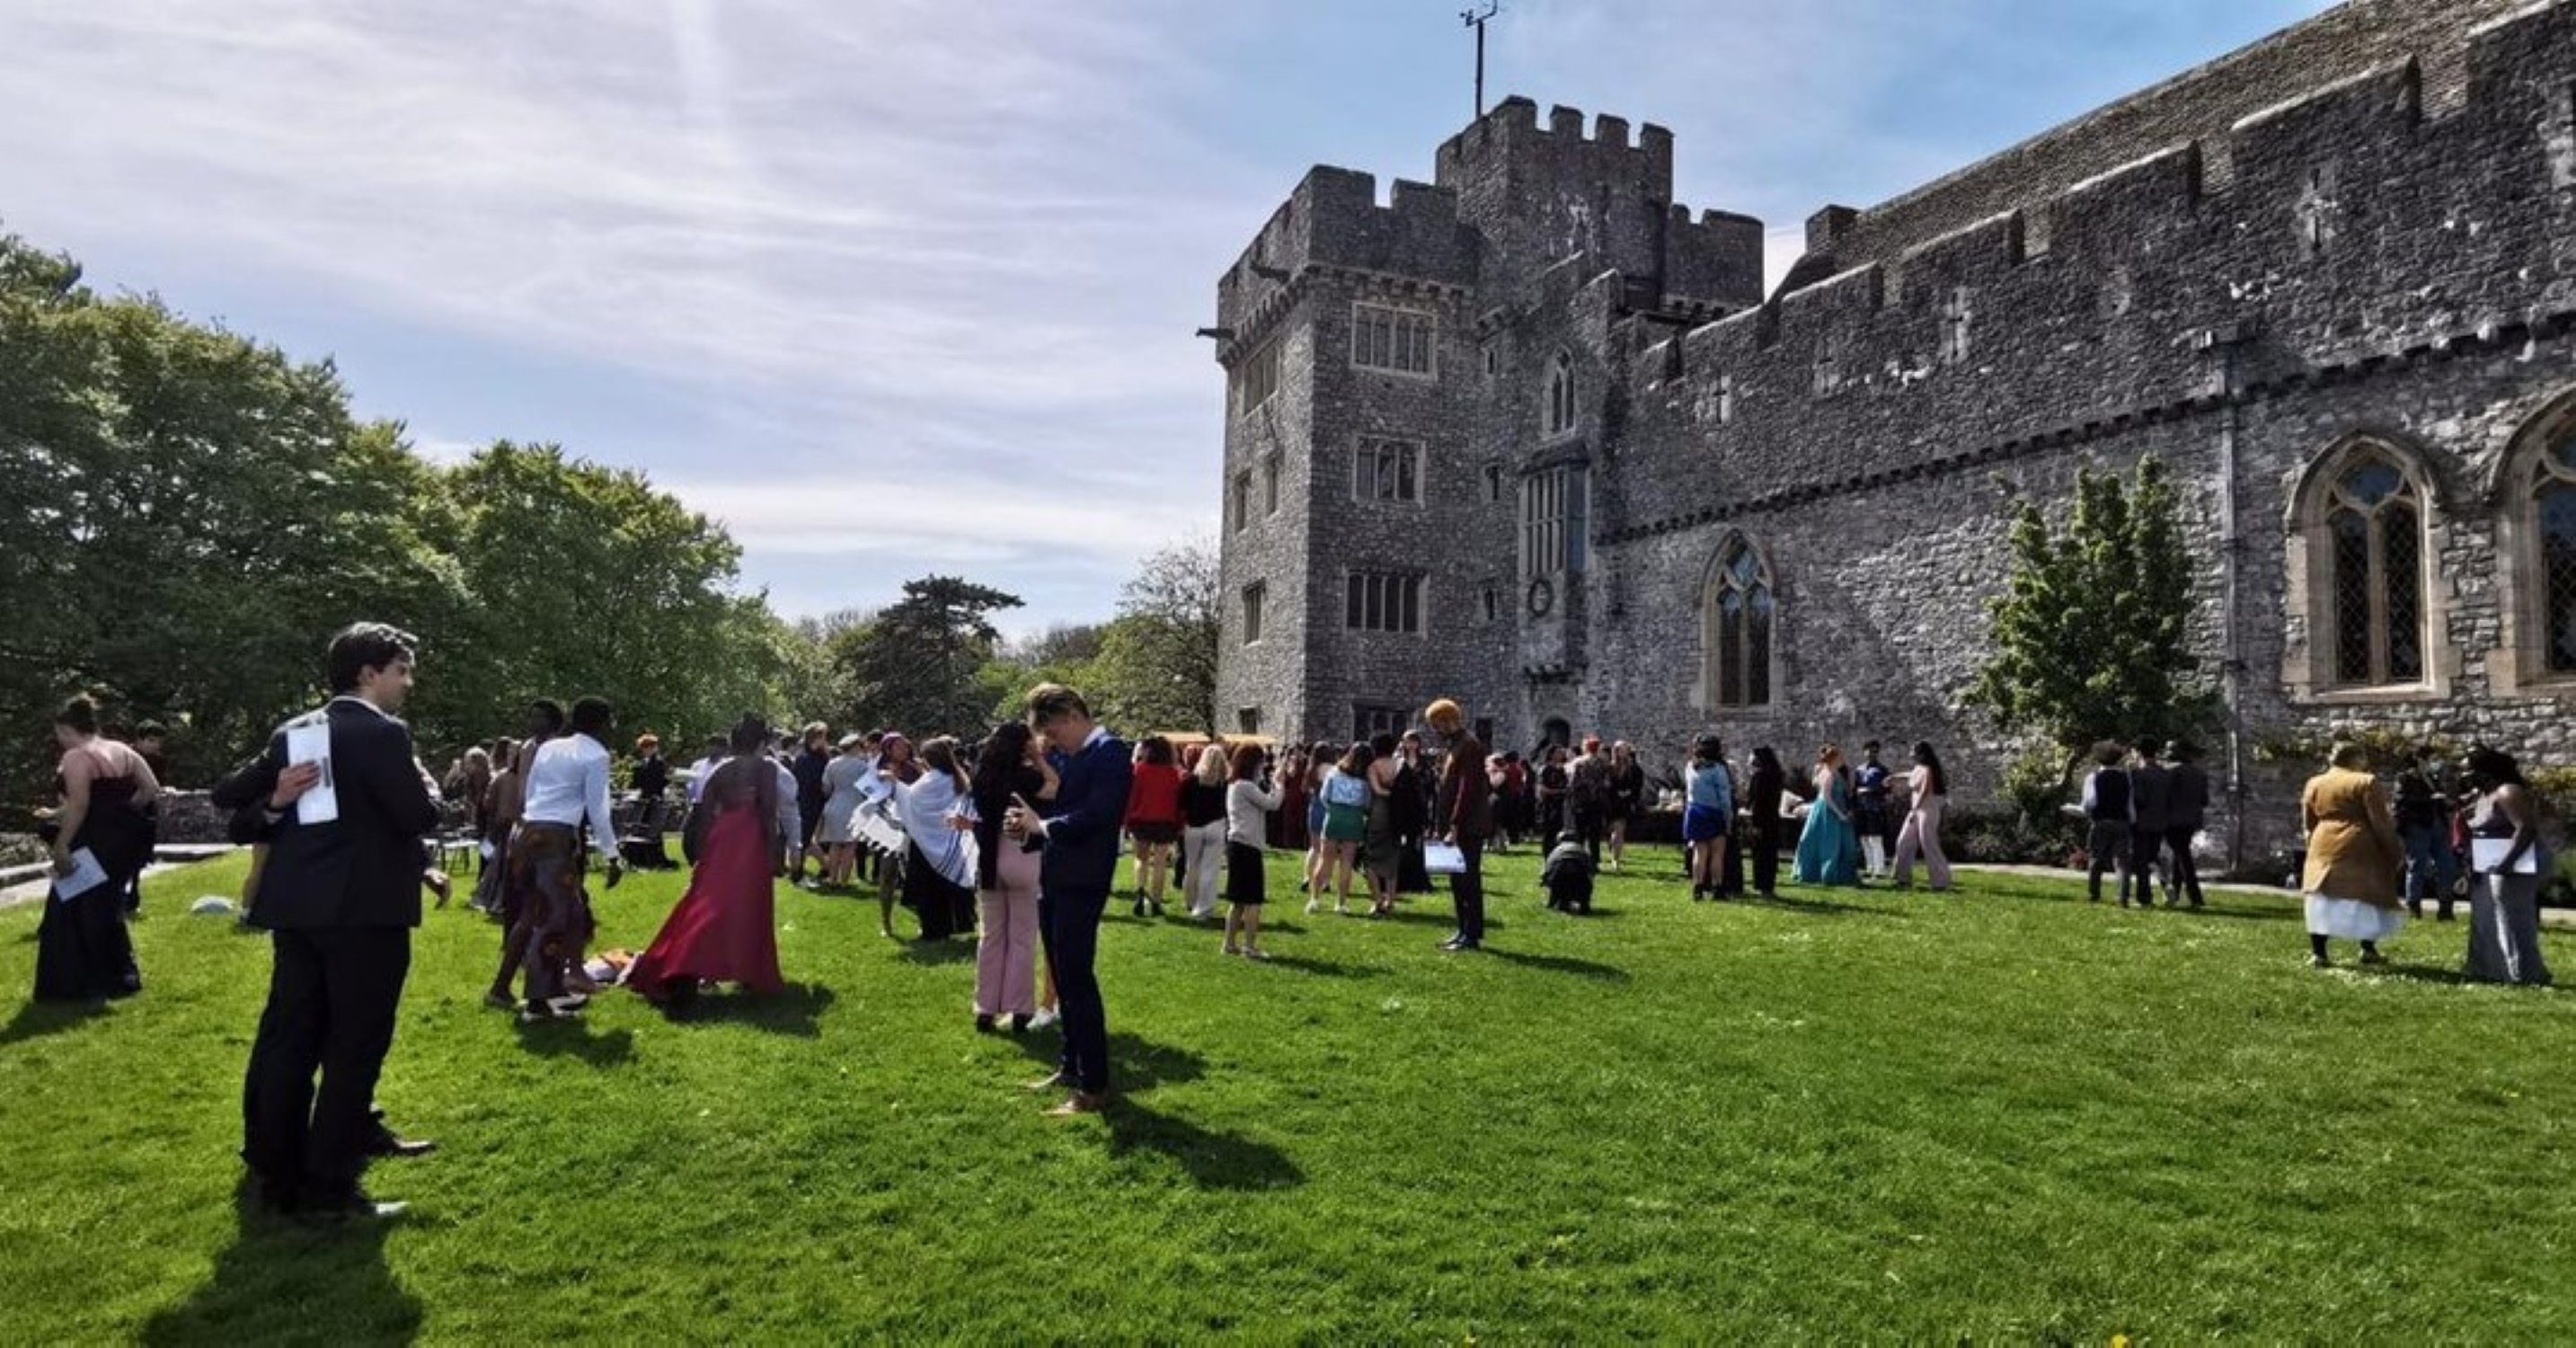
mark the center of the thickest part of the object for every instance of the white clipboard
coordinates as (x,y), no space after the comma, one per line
(86,875)
(2487,854)
(312,744)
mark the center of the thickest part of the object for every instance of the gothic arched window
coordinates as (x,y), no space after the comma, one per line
(1739,609)
(2373,521)
(1559,418)
(2550,494)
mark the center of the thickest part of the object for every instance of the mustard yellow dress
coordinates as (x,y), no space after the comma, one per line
(2356,860)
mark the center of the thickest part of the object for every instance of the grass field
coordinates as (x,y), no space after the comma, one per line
(2003,1115)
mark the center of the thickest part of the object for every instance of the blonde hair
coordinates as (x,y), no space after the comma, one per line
(1053,701)
(1212,765)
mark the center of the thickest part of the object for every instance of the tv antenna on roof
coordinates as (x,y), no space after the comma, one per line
(1476,19)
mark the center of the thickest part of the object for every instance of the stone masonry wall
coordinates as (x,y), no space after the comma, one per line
(2386,250)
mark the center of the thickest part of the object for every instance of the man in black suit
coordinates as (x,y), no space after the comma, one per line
(1074,876)
(339,900)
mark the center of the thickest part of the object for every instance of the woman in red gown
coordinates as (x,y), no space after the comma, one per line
(723,930)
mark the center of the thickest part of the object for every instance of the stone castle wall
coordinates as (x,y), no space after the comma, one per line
(2391,254)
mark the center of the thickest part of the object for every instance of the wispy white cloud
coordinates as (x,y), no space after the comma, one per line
(926,266)
(861,229)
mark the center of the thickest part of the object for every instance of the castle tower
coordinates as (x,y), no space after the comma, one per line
(1411,413)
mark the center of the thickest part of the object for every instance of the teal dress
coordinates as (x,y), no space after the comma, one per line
(1829,849)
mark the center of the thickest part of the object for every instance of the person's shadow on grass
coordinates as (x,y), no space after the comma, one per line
(1324,968)
(938,950)
(1560,964)
(38,1019)
(797,1010)
(571,1038)
(1135,1064)
(1212,1160)
(284,1283)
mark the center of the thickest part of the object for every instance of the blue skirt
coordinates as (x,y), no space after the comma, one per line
(1700,823)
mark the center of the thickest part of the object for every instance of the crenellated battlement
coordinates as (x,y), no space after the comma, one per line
(2367,43)
(1334,218)
(1511,133)
(2354,224)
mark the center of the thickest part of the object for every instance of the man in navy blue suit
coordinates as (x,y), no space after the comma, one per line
(1074,876)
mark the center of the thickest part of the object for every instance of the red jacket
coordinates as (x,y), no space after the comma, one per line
(1154,797)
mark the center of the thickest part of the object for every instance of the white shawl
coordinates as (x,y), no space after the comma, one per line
(925,807)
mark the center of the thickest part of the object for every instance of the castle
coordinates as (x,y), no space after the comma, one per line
(1534,437)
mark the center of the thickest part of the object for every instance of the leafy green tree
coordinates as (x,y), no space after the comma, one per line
(1157,662)
(584,580)
(187,513)
(2091,635)
(919,666)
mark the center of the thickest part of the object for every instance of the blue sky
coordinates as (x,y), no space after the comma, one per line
(895,286)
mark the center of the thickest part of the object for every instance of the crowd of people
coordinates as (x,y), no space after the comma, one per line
(1015,842)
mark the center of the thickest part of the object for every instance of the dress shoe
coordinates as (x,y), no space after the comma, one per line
(348,1206)
(1020,1024)
(983,1025)
(390,1145)
(1078,1104)
(1453,943)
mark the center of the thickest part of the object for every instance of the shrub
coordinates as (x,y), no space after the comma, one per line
(2007,837)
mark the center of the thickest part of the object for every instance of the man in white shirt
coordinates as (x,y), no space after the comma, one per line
(567,788)
(789,817)
(717,752)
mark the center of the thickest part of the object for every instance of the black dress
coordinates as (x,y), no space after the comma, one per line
(83,950)
(1410,801)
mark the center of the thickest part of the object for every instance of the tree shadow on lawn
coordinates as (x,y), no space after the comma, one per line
(1211,1159)
(570,1037)
(281,1282)
(1560,964)
(797,1011)
(35,1020)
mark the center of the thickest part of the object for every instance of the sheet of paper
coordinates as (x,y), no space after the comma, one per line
(86,875)
(1443,859)
(2485,854)
(312,744)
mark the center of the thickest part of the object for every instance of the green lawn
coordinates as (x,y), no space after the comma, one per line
(2004,1115)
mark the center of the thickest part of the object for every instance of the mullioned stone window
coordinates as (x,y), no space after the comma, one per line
(1399,340)
(1383,602)
(1257,379)
(2374,529)
(1554,520)
(2366,528)
(2551,512)
(1387,471)
(2537,545)
(1738,612)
